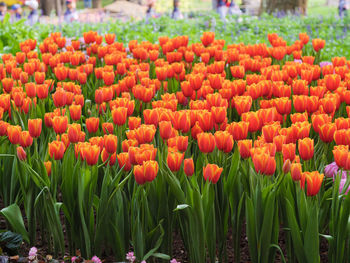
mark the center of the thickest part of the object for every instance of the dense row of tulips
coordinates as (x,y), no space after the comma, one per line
(130,143)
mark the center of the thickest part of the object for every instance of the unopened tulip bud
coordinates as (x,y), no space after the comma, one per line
(286,166)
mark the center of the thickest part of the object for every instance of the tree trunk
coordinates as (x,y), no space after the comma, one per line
(96,3)
(284,6)
(47,6)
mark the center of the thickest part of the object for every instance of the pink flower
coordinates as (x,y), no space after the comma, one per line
(130,257)
(32,253)
(96,259)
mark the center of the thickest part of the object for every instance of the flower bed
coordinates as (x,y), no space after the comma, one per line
(107,147)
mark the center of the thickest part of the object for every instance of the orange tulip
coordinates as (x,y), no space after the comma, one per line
(279,140)
(108,78)
(219,114)
(73,132)
(110,143)
(60,124)
(212,172)
(42,91)
(253,119)
(119,115)
(48,165)
(3,128)
(269,131)
(146,172)
(134,122)
(181,121)
(306,148)
(206,142)
(342,137)
(319,120)
(174,160)
(288,151)
(165,129)
(56,150)
(34,127)
(145,133)
(332,81)
(75,112)
(105,156)
(327,131)
(179,142)
(26,140)
(224,141)
(313,181)
(207,38)
(264,163)
(318,44)
(243,104)
(7,84)
(39,77)
(151,116)
(238,130)
(341,153)
(237,72)
(244,147)
(189,166)
(90,154)
(14,134)
(109,38)
(92,124)
(123,161)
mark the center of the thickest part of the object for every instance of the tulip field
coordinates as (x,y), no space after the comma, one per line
(109,148)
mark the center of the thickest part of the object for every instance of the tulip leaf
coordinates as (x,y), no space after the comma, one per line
(13,216)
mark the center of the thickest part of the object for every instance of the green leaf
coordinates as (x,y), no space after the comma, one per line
(10,242)
(13,216)
(161,256)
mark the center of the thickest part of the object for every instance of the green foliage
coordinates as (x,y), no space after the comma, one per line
(246,29)
(10,242)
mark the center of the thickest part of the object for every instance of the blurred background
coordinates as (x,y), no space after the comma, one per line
(137,8)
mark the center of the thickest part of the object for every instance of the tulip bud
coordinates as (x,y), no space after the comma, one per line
(296,171)
(21,154)
(286,166)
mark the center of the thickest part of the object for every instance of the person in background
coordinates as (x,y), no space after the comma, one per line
(16,12)
(33,16)
(342,8)
(176,12)
(71,14)
(3,10)
(222,9)
(233,9)
(150,10)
